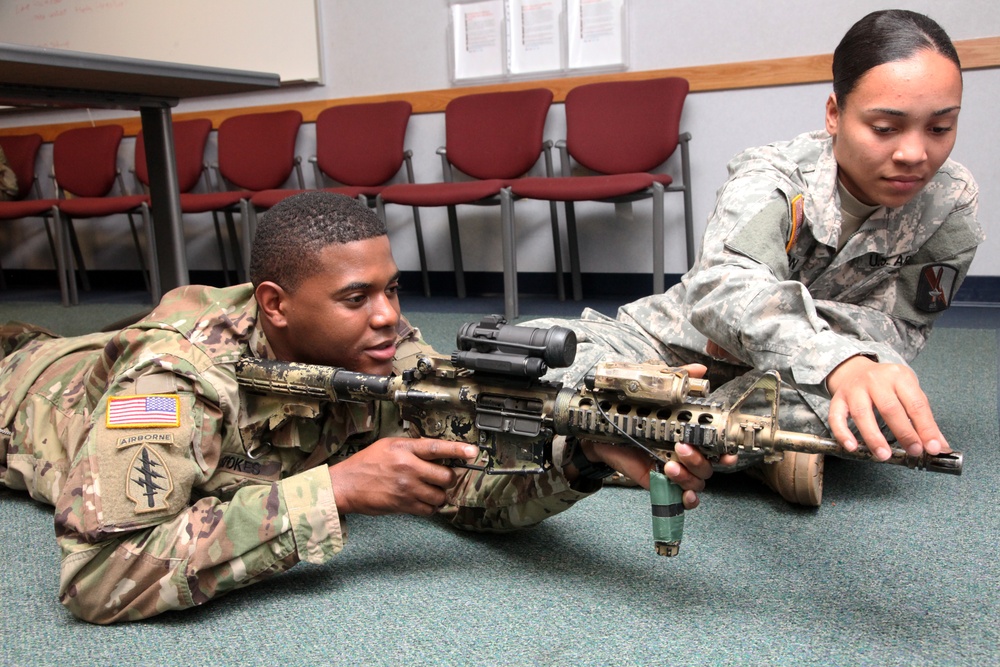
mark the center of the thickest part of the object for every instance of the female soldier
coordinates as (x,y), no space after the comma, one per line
(828,258)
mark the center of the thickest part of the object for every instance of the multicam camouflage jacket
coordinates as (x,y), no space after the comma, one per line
(771,288)
(171,485)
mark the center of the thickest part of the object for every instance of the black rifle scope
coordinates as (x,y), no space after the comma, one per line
(493,346)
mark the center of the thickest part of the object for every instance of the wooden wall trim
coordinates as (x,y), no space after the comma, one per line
(980,53)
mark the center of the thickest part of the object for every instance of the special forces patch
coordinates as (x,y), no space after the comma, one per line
(935,287)
(149,482)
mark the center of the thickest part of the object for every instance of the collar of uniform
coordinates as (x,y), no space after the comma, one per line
(257,344)
(822,204)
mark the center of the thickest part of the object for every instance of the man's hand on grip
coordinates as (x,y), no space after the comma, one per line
(397,476)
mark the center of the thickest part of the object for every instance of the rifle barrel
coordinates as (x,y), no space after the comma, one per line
(949,464)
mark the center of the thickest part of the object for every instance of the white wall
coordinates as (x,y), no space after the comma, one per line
(389,46)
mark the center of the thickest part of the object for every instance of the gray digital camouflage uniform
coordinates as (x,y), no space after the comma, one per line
(172,486)
(770,287)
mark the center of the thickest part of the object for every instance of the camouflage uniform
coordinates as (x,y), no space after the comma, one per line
(771,288)
(171,486)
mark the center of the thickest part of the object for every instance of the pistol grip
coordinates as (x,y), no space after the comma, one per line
(668,513)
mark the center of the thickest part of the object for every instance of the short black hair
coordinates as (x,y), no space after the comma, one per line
(291,234)
(883,37)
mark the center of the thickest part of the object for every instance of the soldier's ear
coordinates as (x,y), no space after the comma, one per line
(832,114)
(271,300)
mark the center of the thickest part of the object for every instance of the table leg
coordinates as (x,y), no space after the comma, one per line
(168,226)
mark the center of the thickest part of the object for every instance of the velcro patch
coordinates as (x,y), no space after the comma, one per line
(149,483)
(935,287)
(148,411)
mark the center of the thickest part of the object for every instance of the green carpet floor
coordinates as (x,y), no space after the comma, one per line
(897,568)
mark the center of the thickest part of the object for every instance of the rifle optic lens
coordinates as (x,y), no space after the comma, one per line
(555,345)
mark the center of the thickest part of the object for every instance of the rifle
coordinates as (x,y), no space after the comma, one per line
(489,393)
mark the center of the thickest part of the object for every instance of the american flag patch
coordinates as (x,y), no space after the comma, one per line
(158,410)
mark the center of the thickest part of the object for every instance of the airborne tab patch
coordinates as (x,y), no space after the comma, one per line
(935,288)
(149,482)
(145,438)
(151,411)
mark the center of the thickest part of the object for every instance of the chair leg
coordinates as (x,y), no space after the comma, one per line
(688,216)
(418,230)
(241,243)
(52,241)
(248,213)
(424,276)
(81,269)
(509,243)
(574,251)
(220,244)
(658,239)
(64,263)
(456,252)
(557,245)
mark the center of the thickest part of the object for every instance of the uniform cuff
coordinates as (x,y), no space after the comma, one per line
(824,351)
(312,511)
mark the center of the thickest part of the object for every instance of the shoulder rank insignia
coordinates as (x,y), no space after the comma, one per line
(149,482)
(151,411)
(935,288)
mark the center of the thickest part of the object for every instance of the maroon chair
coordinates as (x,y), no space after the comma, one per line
(359,150)
(256,151)
(190,139)
(85,168)
(361,147)
(491,139)
(620,132)
(21,152)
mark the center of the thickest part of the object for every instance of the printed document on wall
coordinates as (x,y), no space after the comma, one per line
(535,38)
(478,49)
(596,33)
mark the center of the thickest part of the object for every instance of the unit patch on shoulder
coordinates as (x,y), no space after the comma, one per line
(935,287)
(149,411)
(149,482)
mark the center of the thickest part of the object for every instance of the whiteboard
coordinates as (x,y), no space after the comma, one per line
(259,35)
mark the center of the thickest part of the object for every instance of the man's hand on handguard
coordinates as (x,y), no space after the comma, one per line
(689,471)
(859,387)
(398,476)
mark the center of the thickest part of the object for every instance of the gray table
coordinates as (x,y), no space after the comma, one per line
(35,76)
